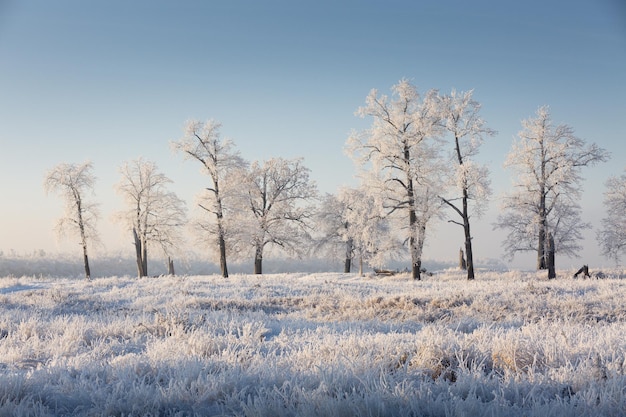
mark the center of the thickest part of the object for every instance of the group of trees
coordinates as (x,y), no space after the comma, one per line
(153,214)
(418,156)
(416,164)
(244,208)
(249,205)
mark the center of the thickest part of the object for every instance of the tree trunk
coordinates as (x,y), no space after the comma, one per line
(462,263)
(86,261)
(416,272)
(361,266)
(465,216)
(541,241)
(416,260)
(258,260)
(468,237)
(140,272)
(541,250)
(583,270)
(348,263)
(551,249)
(468,250)
(347,266)
(222,245)
(470,259)
(220,231)
(144,257)
(170,267)
(83,237)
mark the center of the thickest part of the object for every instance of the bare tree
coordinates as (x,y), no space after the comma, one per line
(543,213)
(73,182)
(278,213)
(612,234)
(154,214)
(398,149)
(470,182)
(202,142)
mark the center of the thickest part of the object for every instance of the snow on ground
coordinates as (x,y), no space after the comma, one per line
(320,344)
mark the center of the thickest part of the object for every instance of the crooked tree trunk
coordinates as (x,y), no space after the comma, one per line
(583,270)
(464,213)
(83,236)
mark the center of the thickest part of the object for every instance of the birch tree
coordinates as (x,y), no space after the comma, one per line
(154,214)
(203,143)
(612,234)
(542,213)
(397,149)
(277,201)
(74,182)
(470,182)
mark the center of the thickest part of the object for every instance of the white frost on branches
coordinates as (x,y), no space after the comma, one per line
(154,214)
(274,208)
(612,234)
(73,182)
(203,143)
(546,161)
(396,152)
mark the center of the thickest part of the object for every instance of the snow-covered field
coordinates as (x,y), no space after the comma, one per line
(508,344)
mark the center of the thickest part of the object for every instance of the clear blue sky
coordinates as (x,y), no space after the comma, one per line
(113,80)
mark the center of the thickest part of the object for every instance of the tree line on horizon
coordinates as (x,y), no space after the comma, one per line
(416,164)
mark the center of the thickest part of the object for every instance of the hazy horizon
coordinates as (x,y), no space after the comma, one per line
(114,81)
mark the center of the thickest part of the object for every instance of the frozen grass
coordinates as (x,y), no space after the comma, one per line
(508,344)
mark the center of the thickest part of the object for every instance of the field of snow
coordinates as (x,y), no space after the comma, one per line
(325,344)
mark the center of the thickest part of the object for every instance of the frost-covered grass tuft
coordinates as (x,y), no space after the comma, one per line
(509,343)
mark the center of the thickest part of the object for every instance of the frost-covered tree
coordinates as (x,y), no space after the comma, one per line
(74,182)
(612,234)
(203,142)
(369,230)
(470,180)
(352,224)
(276,208)
(331,227)
(542,213)
(397,150)
(154,214)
